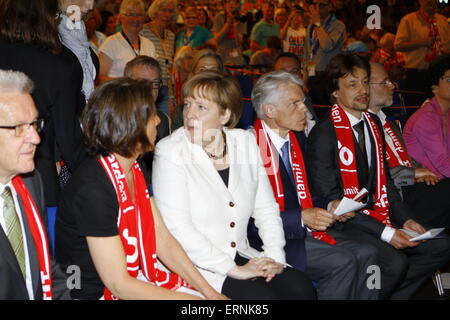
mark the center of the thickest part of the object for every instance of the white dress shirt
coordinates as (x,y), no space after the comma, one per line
(28,281)
(278,143)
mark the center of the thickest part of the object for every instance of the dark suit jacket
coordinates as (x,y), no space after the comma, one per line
(402,175)
(325,177)
(58,98)
(12,283)
(293,231)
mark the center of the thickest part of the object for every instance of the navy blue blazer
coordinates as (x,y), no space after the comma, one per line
(294,232)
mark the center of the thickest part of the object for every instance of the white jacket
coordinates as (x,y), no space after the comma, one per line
(207,218)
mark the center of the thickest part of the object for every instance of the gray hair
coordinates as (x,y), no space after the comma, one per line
(141,61)
(15,81)
(130,4)
(158,4)
(266,89)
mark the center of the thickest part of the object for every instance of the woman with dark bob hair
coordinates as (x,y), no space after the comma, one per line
(107,223)
(209,181)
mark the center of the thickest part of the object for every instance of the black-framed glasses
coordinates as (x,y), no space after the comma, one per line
(21,130)
(156,84)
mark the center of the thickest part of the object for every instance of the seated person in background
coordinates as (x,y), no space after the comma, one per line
(337,264)
(401,166)
(207,59)
(182,65)
(95,37)
(290,62)
(193,35)
(107,222)
(124,46)
(144,67)
(209,181)
(427,131)
(26,270)
(265,57)
(428,200)
(393,61)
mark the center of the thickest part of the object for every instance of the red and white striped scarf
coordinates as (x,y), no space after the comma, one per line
(347,163)
(437,48)
(136,227)
(270,161)
(39,236)
(395,156)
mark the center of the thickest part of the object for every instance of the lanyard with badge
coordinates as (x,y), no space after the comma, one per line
(131,45)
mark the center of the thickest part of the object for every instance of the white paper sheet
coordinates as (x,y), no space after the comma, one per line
(430,234)
(349,205)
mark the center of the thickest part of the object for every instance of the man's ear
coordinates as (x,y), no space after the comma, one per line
(335,95)
(269,110)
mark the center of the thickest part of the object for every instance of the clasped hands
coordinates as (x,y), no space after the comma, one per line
(257,267)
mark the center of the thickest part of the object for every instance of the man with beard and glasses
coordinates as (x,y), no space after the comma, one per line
(346,154)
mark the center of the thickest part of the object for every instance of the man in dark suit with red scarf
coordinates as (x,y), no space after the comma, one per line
(26,269)
(338,265)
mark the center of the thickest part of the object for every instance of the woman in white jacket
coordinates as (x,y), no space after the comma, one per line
(208,181)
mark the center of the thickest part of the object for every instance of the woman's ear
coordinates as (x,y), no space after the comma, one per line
(225,117)
(434,88)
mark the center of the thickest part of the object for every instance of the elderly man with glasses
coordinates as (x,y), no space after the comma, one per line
(27,271)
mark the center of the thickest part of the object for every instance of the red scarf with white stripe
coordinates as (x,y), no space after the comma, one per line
(397,156)
(347,163)
(270,161)
(136,227)
(38,234)
(437,48)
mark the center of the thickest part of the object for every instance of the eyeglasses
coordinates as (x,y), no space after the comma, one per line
(384,83)
(21,130)
(190,17)
(156,84)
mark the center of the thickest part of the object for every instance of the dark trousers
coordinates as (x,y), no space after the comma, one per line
(404,271)
(341,270)
(430,204)
(289,285)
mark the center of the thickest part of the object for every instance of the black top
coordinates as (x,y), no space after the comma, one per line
(88,207)
(224,174)
(59,100)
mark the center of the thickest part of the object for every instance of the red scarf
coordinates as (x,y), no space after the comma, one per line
(347,163)
(38,234)
(437,47)
(389,61)
(398,155)
(136,227)
(270,162)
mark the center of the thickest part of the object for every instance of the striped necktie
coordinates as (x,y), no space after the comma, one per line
(13,228)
